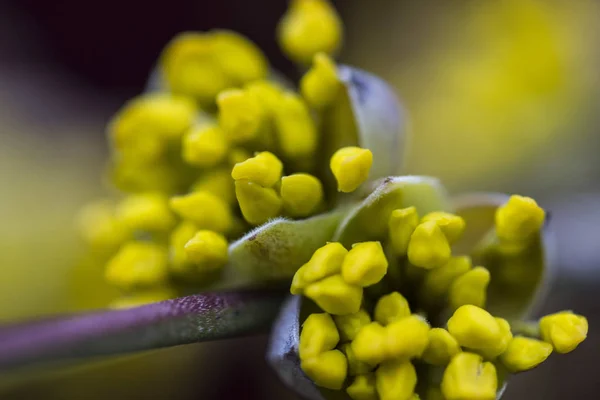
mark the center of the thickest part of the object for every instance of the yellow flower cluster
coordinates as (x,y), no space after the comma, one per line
(217,148)
(371,342)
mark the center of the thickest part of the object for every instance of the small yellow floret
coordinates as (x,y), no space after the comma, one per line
(524,354)
(441,348)
(137,264)
(309,27)
(295,128)
(179,237)
(241,116)
(452,225)
(501,344)
(320,85)
(564,330)
(475,328)
(365,264)
(363,388)
(218,182)
(349,325)
(468,377)
(390,308)
(369,345)
(335,296)
(318,335)
(190,68)
(428,247)
(207,250)
(142,127)
(146,212)
(350,167)
(204,209)
(470,288)
(407,338)
(328,369)
(396,380)
(264,169)
(100,228)
(355,367)
(519,219)
(204,146)
(438,281)
(325,261)
(238,57)
(401,225)
(258,204)
(301,194)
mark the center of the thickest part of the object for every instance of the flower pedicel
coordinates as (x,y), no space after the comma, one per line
(399,296)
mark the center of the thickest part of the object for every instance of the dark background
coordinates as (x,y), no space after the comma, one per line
(66,67)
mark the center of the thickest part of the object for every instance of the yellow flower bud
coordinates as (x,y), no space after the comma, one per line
(365,264)
(258,204)
(204,146)
(441,348)
(320,85)
(474,327)
(295,128)
(142,126)
(401,225)
(519,219)
(349,325)
(137,264)
(524,354)
(363,388)
(267,93)
(325,261)
(179,237)
(146,212)
(335,296)
(328,369)
(369,345)
(468,377)
(452,225)
(301,194)
(501,344)
(428,247)
(350,166)
(396,380)
(207,250)
(318,335)
(264,169)
(355,367)
(100,228)
(407,338)
(470,288)
(239,58)
(309,27)
(204,209)
(564,330)
(240,115)
(191,68)
(217,182)
(390,308)
(437,282)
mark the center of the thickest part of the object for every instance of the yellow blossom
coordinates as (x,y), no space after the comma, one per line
(350,166)
(564,330)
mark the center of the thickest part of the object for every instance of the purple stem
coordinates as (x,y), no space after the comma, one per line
(201,317)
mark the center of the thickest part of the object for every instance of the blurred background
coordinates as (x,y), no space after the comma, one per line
(502,95)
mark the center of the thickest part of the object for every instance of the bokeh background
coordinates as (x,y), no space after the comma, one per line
(502,95)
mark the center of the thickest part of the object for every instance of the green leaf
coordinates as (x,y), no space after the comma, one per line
(368,220)
(278,248)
